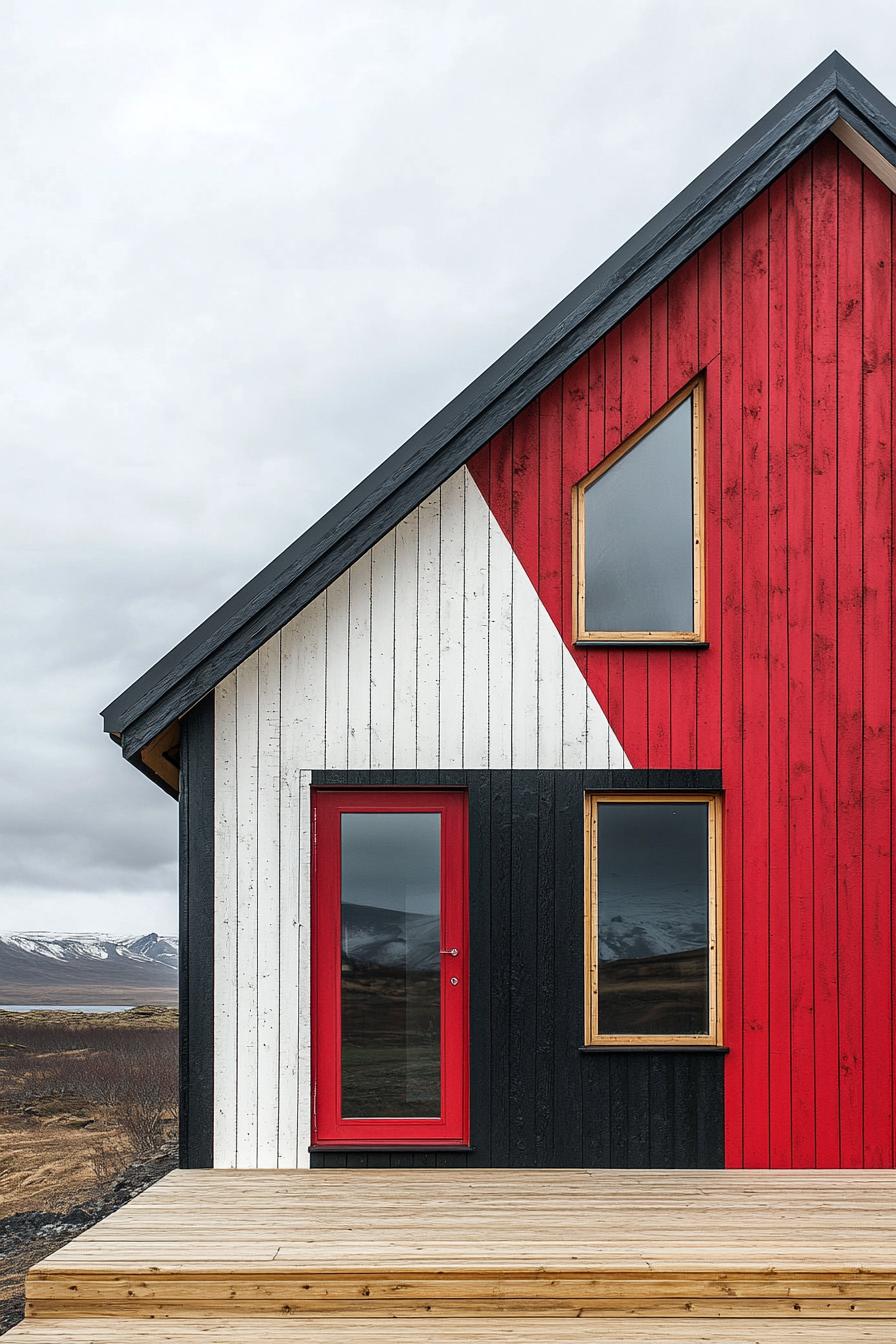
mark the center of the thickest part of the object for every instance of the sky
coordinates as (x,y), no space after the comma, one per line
(247,250)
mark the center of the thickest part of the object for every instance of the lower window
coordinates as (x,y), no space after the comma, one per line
(652,919)
(389,966)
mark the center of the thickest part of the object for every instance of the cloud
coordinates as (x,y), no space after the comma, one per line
(247,251)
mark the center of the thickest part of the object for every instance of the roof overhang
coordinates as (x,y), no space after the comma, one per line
(834,97)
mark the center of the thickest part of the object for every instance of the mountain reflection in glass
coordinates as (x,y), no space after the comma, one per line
(391,1018)
(653,919)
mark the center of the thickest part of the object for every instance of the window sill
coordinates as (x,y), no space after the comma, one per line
(362,1147)
(641,644)
(657,1049)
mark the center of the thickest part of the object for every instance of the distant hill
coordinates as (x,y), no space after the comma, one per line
(374,938)
(87,968)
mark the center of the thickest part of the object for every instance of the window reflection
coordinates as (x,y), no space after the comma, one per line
(653,918)
(639,534)
(390,995)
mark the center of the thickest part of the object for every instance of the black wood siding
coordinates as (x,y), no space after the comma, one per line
(536,1097)
(196,807)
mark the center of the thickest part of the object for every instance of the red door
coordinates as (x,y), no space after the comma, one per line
(389,967)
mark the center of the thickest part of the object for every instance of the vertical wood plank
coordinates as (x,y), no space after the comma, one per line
(500,997)
(635,336)
(428,632)
(730,542)
(573,463)
(336,741)
(778,722)
(848,826)
(525,491)
(406,640)
(476,669)
(659,664)
(500,612)
(546,1043)
(247,911)
(451,623)
(552,665)
(659,348)
(551,660)
(682,355)
(382,652)
(226,905)
(523,965)
(596,662)
(303,683)
(824,641)
(709,670)
(358,753)
(756,688)
(524,662)
(612,437)
(303,1063)
(799,652)
(892,615)
(877,564)
(196,928)
(268,902)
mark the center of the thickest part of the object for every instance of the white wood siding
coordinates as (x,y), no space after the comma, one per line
(432,652)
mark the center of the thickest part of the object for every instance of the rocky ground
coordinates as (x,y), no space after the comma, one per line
(28,1237)
(87,1119)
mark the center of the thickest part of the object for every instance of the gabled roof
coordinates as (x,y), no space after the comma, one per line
(835,96)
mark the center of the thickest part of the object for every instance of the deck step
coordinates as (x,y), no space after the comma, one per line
(262,1290)
(413,1242)
(480,1330)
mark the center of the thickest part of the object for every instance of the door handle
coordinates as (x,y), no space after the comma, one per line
(448,952)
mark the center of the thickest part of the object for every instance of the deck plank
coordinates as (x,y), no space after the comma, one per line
(498,1330)
(734,1244)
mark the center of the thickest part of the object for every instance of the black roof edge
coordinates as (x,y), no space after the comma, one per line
(833,90)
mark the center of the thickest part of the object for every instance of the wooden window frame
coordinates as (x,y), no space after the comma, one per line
(329,1127)
(694,389)
(713,1036)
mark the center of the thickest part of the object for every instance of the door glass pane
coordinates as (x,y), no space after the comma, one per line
(639,534)
(391,1020)
(653,918)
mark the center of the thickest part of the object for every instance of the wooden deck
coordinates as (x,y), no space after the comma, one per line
(481,1330)
(651,1255)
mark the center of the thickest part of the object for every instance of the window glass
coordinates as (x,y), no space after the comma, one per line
(639,534)
(390,993)
(652,918)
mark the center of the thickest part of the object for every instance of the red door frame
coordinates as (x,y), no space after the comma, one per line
(328,1125)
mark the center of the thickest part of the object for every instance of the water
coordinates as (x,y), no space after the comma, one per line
(65,1007)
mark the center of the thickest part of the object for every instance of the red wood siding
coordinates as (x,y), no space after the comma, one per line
(790,312)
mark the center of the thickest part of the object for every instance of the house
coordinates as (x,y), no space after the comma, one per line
(536,804)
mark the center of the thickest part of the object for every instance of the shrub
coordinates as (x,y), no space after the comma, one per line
(128,1070)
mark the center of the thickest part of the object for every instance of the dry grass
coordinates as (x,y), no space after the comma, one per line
(81,1096)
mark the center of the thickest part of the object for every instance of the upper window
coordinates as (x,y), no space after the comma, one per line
(652,919)
(638,523)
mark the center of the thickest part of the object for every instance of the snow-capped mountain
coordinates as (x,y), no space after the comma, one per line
(43,967)
(100,946)
(377,939)
(623,938)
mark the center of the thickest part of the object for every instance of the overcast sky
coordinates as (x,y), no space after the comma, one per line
(248,249)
